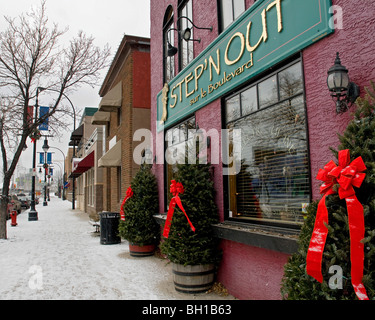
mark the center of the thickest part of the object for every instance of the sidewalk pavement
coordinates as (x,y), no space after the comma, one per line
(60,257)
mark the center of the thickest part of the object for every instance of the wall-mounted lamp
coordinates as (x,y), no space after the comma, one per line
(186,34)
(344,91)
(171,51)
(183,34)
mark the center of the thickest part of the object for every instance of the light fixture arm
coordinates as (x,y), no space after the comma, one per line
(183,34)
(186,34)
(201,28)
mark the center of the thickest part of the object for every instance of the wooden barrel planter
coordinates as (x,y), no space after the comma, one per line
(141,251)
(193,279)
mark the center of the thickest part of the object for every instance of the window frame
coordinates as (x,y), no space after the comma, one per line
(254,82)
(90,182)
(119,183)
(220,15)
(168,23)
(185,121)
(182,5)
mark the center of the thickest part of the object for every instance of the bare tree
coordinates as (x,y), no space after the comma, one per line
(30,58)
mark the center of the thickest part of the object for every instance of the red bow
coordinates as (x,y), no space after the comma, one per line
(347,175)
(129,194)
(175,189)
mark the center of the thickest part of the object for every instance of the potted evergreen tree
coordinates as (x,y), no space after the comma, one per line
(139,227)
(194,254)
(339,256)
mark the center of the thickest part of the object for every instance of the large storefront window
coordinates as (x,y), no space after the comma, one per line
(178,139)
(273,184)
(90,176)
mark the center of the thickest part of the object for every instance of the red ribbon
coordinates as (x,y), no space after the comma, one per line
(347,175)
(175,189)
(129,194)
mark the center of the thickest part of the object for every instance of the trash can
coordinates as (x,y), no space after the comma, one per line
(109,222)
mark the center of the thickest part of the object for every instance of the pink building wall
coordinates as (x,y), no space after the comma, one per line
(355,43)
(249,272)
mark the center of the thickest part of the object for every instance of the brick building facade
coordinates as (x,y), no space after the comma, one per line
(125,106)
(211,82)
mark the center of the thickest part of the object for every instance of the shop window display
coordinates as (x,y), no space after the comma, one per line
(273,184)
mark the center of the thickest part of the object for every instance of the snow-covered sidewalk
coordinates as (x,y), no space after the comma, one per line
(60,257)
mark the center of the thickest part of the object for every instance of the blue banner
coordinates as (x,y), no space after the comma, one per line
(42,112)
(49,157)
(41,157)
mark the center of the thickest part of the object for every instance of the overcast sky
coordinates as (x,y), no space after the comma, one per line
(106,20)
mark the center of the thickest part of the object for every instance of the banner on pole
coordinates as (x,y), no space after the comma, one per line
(30,114)
(41,157)
(42,112)
(49,158)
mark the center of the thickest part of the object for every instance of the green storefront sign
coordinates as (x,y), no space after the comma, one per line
(268,32)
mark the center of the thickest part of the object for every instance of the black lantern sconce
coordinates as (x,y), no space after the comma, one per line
(185,35)
(342,90)
(171,51)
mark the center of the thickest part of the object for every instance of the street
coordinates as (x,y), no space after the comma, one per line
(60,257)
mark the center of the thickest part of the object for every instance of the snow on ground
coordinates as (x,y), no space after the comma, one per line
(60,257)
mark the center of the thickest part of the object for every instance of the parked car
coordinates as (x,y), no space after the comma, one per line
(16,203)
(25,203)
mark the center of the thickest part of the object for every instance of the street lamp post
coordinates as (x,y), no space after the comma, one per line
(45,149)
(33,214)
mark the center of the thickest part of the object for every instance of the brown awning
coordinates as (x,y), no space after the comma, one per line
(76,136)
(77,133)
(100,118)
(82,165)
(112,158)
(112,100)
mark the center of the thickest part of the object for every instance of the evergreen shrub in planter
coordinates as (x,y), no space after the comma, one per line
(139,227)
(193,254)
(359,139)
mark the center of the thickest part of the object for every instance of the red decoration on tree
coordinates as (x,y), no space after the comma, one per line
(129,194)
(175,189)
(347,175)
